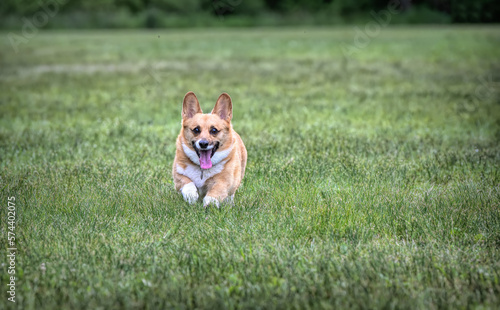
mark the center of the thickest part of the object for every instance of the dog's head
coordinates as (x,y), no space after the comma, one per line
(206,133)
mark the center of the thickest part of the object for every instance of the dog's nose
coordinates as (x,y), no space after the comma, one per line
(203,144)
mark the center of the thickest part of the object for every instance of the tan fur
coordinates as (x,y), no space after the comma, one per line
(226,182)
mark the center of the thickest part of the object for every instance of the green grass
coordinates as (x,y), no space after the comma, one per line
(372,181)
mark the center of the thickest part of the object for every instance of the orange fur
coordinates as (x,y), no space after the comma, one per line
(224,178)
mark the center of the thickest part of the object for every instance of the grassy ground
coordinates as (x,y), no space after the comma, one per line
(372,180)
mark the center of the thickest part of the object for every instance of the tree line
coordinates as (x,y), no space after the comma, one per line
(323,11)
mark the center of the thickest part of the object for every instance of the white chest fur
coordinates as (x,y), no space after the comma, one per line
(193,172)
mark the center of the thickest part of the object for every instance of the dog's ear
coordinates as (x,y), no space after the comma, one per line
(224,107)
(190,105)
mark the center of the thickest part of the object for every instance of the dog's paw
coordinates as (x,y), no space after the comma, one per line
(190,193)
(210,200)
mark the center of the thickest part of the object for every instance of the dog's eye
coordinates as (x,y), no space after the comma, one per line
(214,131)
(196,130)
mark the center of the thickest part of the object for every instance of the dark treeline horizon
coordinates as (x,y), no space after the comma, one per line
(164,13)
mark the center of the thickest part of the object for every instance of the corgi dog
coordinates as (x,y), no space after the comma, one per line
(210,158)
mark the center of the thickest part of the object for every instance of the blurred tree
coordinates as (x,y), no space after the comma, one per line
(21,7)
(237,7)
(461,11)
(475,11)
(176,6)
(134,6)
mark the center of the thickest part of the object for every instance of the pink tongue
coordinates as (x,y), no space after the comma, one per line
(205,161)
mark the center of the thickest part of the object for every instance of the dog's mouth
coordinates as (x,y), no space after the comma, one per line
(205,156)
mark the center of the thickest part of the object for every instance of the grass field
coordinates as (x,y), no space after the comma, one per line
(372,180)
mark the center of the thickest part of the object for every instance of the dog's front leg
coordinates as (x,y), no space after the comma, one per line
(187,188)
(216,194)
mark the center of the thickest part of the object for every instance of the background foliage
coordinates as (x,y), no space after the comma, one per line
(189,13)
